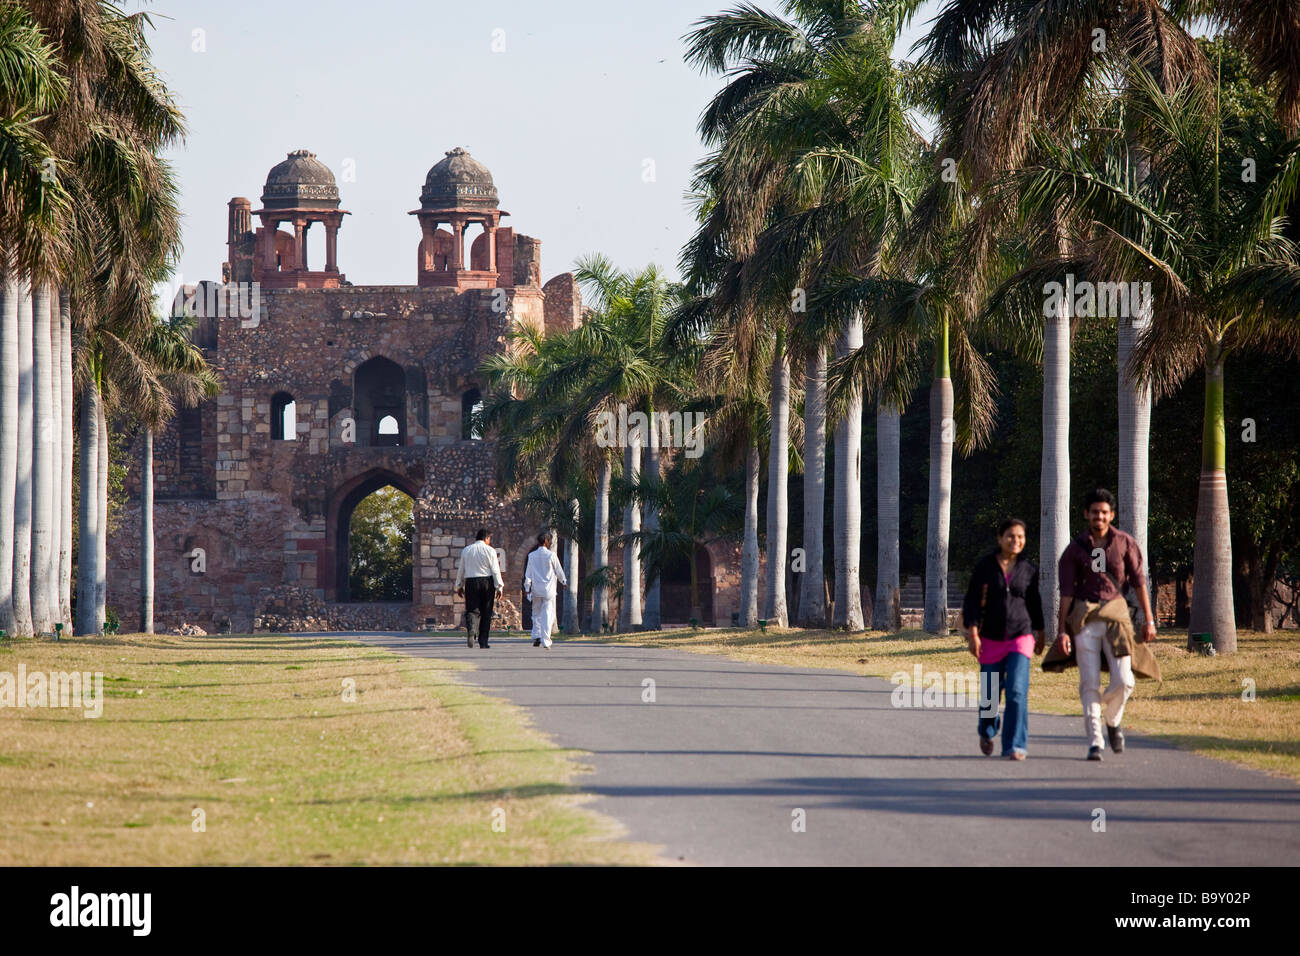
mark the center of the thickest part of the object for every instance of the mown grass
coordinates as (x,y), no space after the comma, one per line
(255,733)
(1200,705)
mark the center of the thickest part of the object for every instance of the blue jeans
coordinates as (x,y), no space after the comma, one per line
(1012,674)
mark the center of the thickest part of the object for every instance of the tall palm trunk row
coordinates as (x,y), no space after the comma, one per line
(35,486)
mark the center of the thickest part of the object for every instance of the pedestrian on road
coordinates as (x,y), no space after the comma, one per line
(1096,568)
(479,581)
(525,605)
(1003,619)
(540,581)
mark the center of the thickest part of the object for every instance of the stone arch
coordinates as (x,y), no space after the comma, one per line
(283,411)
(471,400)
(339,521)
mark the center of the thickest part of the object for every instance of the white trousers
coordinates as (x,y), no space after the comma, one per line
(543,619)
(1090,643)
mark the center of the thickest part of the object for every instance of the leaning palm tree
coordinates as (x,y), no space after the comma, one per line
(1222,275)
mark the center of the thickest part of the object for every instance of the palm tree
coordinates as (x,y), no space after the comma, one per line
(885,612)
(1017,69)
(24,620)
(1221,274)
(43,464)
(66,406)
(33,207)
(778,465)
(552,393)
(812,586)
(800,88)
(629,368)
(171,369)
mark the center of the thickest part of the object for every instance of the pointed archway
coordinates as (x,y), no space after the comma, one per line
(343,503)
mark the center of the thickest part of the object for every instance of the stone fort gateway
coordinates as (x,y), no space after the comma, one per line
(331,391)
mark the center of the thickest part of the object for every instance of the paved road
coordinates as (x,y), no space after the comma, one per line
(714,770)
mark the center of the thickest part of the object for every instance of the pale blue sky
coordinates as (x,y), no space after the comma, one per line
(566,116)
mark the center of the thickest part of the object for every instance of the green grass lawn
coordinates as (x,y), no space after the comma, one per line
(1200,705)
(255,733)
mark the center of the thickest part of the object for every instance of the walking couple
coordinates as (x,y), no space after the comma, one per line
(1002,616)
(479,582)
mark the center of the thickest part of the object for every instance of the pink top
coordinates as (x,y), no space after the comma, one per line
(992,652)
(995,651)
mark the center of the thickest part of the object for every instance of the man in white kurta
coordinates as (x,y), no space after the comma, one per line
(541,581)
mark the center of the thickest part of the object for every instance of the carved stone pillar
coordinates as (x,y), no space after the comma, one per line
(269,228)
(458,245)
(331,247)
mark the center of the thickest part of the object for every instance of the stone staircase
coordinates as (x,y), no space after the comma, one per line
(912,603)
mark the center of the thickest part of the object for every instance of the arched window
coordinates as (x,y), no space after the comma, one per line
(471,404)
(284,417)
(379,386)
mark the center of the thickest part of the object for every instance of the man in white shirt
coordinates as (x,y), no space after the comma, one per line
(540,581)
(478,581)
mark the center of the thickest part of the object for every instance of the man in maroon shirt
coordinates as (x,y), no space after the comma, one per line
(1095,568)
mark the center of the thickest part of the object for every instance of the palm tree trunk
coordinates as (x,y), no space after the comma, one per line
(571,625)
(812,585)
(778,502)
(8,445)
(1212,605)
(749,545)
(146,532)
(939,511)
(1134,444)
(629,611)
(57,504)
(22,577)
(600,547)
(652,618)
(66,428)
(88,513)
(848,499)
(885,612)
(1054,514)
(43,464)
(101,535)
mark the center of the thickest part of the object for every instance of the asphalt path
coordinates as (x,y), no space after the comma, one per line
(747,764)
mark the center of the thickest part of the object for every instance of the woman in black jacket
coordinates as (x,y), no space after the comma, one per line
(1003,620)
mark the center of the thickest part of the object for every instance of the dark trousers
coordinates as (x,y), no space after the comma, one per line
(480,595)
